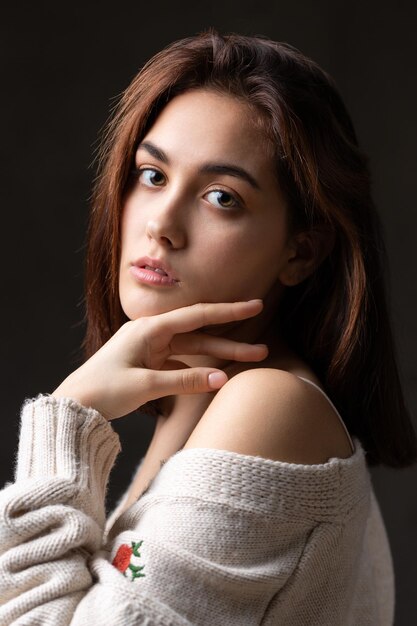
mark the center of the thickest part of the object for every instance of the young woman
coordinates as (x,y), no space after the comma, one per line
(234,286)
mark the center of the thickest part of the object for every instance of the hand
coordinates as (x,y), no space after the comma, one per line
(126,372)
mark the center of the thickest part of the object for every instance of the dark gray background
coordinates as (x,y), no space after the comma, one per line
(63,67)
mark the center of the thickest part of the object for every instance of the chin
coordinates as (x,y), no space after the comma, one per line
(141,307)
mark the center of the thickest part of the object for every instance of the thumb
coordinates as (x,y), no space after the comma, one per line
(186,381)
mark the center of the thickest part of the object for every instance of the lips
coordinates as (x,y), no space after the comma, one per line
(156,264)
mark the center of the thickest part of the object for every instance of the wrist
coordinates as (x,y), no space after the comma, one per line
(67,389)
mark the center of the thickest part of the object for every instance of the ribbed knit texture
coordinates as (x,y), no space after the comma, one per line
(219,538)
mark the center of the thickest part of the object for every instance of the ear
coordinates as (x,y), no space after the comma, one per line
(305,252)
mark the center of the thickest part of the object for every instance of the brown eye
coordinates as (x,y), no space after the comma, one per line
(150,177)
(222,199)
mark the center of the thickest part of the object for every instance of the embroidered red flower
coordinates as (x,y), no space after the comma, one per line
(123,560)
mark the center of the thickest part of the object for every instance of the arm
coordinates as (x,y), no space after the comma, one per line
(51,525)
(52,517)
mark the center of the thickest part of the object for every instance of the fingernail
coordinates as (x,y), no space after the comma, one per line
(260,345)
(217,379)
(256,300)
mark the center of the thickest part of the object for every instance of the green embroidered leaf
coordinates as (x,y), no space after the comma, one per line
(136,568)
(135,547)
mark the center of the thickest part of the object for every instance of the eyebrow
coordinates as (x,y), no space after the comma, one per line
(207,168)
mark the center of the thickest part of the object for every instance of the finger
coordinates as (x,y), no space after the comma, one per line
(202,343)
(185,319)
(185,381)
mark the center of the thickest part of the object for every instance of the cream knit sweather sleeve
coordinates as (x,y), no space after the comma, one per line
(52,517)
(51,525)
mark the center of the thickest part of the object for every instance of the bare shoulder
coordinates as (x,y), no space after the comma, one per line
(272,413)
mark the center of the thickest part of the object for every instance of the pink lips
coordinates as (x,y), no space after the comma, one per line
(150,276)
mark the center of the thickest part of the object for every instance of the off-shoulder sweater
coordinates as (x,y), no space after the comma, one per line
(219,538)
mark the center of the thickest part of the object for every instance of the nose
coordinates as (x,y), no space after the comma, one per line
(166,227)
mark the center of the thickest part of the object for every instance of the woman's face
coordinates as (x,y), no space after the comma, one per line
(207,203)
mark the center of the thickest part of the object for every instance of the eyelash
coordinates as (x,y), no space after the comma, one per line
(136,174)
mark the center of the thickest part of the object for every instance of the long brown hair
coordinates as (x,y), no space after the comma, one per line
(337,319)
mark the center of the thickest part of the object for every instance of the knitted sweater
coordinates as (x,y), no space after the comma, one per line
(219,538)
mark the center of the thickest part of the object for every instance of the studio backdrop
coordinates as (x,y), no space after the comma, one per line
(63,69)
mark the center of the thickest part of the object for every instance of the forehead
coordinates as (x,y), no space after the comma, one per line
(204,124)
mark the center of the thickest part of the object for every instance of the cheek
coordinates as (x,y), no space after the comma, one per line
(241,262)
(258,245)
(261,253)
